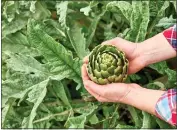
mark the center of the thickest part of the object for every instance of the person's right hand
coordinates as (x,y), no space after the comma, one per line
(136,62)
(139,55)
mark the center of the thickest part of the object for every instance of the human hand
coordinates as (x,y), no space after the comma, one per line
(130,94)
(115,92)
(139,55)
(136,62)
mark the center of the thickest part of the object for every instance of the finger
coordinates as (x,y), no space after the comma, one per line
(120,44)
(123,45)
(95,88)
(86,59)
(109,42)
(98,97)
(113,41)
(136,65)
(84,73)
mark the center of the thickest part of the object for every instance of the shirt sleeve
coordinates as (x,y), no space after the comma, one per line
(166,107)
(170,35)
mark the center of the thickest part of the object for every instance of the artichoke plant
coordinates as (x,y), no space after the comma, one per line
(107,65)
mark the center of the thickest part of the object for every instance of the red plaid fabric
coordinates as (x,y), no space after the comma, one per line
(170,35)
(166,105)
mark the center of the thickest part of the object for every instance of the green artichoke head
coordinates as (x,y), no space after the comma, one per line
(107,65)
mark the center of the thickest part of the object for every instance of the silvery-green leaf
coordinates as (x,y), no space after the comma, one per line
(61,8)
(62,60)
(77,40)
(166,22)
(36,96)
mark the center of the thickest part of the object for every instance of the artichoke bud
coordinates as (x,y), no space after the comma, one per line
(107,65)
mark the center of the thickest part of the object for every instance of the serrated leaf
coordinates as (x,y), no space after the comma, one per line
(59,91)
(144,23)
(121,7)
(163,124)
(162,68)
(17,88)
(13,117)
(161,11)
(23,72)
(108,32)
(41,11)
(16,38)
(166,22)
(53,28)
(86,10)
(92,29)
(87,110)
(26,64)
(156,85)
(77,40)
(94,119)
(5,111)
(111,115)
(18,43)
(9,10)
(20,94)
(135,77)
(157,11)
(139,21)
(136,15)
(148,121)
(56,113)
(36,96)
(159,67)
(136,118)
(174,3)
(171,83)
(155,7)
(76,122)
(61,60)
(44,124)
(25,4)
(16,25)
(32,6)
(61,8)
(171,74)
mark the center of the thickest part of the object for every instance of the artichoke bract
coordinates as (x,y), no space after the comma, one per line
(107,65)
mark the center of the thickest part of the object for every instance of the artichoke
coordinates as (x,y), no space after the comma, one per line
(107,65)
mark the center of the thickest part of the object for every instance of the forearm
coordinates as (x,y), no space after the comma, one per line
(143,99)
(156,49)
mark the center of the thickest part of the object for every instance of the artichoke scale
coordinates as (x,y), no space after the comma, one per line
(107,64)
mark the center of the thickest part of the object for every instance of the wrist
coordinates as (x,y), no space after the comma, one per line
(155,49)
(132,89)
(142,98)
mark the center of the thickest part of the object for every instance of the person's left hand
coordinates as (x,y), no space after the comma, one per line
(114,92)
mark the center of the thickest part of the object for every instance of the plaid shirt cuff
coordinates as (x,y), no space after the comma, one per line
(170,35)
(166,107)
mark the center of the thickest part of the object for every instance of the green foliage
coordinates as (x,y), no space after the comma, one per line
(43,44)
(166,22)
